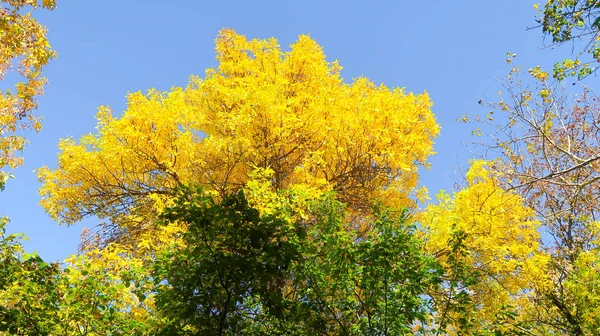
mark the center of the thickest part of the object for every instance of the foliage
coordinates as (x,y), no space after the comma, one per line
(549,152)
(107,293)
(236,272)
(82,297)
(570,21)
(25,50)
(487,241)
(263,200)
(27,288)
(289,112)
(546,144)
(581,287)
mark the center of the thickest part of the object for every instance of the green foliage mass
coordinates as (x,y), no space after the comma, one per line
(239,273)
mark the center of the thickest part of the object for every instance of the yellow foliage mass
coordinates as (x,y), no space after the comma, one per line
(502,242)
(263,108)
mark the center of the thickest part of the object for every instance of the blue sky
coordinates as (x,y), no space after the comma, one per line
(454,50)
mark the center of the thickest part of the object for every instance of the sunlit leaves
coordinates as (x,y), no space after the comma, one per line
(573,20)
(24,52)
(582,288)
(288,112)
(500,240)
(101,293)
(546,150)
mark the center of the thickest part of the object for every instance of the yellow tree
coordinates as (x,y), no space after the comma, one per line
(286,112)
(24,50)
(546,143)
(487,240)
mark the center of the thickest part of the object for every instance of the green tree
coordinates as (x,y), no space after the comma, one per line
(28,288)
(236,272)
(81,297)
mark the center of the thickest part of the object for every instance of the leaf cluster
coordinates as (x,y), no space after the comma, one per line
(236,272)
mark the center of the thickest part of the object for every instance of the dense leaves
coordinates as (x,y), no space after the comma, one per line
(82,297)
(236,272)
(494,236)
(272,198)
(289,112)
(27,289)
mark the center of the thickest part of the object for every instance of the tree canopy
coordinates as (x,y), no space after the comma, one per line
(236,272)
(262,108)
(271,197)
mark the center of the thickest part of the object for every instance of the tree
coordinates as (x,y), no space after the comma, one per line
(546,144)
(25,50)
(27,283)
(237,272)
(289,112)
(547,141)
(487,240)
(283,129)
(88,295)
(28,310)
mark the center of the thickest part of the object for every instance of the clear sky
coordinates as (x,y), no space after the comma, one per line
(454,50)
